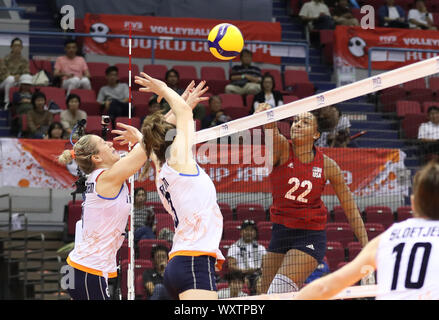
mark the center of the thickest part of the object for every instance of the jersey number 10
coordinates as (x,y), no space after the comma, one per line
(408,279)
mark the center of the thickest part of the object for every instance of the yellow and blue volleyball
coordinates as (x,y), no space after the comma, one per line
(225,41)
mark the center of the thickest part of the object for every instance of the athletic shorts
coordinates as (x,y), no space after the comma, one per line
(311,242)
(187,272)
(88,286)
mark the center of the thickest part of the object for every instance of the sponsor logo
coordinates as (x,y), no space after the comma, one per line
(320,100)
(377,82)
(317,172)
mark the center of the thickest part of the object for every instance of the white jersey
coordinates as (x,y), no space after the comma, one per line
(103,226)
(408,261)
(192,203)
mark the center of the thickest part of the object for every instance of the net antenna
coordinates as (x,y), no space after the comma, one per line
(130,271)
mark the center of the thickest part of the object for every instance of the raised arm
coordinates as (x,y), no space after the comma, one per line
(335,177)
(181,156)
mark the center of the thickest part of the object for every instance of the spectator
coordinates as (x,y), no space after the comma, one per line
(72,69)
(56,131)
(216,115)
(114,96)
(235,280)
(342,14)
(392,16)
(172,78)
(71,116)
(166,234)
(315,14)
(12,67)
(267,93)
(144,217)
(153,278)
(246,254)
(420,18)
(428,134)
(245,78)
(39,118)
(339,137)
(22,99)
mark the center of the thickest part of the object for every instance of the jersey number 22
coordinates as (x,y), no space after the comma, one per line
(296,184)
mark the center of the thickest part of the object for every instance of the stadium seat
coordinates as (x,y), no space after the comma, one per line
(264,232)
(334,254)
(134,121)
(232,230)
(373,229)
(157,71)
(379,214)
(164,220)
(94,125)
(250,211)
(85,94)
(122,253)
(88,101)
(236,112)
(160,210)
(339,215)
(404,213)
(421,95)
(231,100)
(97,69)
(389,96)
(140,291)
(418,83)
(284,128)
(139,267)
(226,211)
(354,249)
(249,101)
(145,247)
(186,72)
(57,95)
(141,103)
(296,82)
(74,213)
(278,85)
(287,99)
(37,65)
(339,232)
(124,71)
(428,104)
(404,107)
(434,81)
(410,124)
(215,78)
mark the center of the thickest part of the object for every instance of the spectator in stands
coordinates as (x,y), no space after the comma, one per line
(22,99)
(216,114)
(428,134)
(172,78)
(245,78)
(166,234)
(12,67)
(56,131)
(339,137)
(420,18)
(39,118)
(114,96)
(71,116)
(153,278)
(342,14)
(316,15)
(267,93)
(72,69)
(235,280)
(246,254)
(144,217)
(392,16)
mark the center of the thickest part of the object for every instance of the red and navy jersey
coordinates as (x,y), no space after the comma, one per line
(297,189)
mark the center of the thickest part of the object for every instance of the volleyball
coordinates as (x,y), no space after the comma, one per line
(225,41)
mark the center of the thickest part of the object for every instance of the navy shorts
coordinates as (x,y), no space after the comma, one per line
(312,242)
(187,272)
(88,286)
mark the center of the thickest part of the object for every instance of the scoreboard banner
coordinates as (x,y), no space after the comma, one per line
(168,47)
(233,168)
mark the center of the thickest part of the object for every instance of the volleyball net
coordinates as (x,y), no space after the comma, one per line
(376,154)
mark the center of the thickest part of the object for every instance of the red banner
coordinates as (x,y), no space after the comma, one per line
(233,168)
(352,45)
(169,49)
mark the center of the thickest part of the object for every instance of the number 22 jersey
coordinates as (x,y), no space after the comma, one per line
(297,188)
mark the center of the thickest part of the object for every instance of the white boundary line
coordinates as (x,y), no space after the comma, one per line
(384,80)
(353,292)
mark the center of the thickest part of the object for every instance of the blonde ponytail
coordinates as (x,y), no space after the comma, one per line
(83,149)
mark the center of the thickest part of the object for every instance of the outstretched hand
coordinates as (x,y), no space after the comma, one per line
(195,94)
(130,135)
(151,84)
